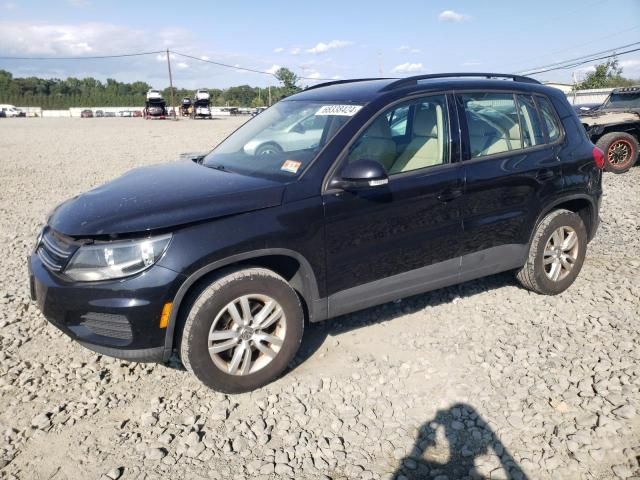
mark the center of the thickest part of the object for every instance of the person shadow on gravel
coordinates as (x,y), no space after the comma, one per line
(458,444)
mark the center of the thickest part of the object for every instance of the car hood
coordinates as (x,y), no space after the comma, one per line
(163,196)
(600,117)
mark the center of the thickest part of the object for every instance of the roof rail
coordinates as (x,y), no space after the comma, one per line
(403,82)
(338,82)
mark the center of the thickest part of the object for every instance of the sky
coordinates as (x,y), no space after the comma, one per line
(328,39)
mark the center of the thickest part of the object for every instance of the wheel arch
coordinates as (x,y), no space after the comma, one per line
(581,204)
(289,264)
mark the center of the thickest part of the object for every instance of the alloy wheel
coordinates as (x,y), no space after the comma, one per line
(247,334)
(561,253)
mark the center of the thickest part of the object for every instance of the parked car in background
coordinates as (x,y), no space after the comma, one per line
(99,113)
(10,111)
(109,114)
(125,113)
(258,111)
(86,114)
(615,128)
(223,257)
(137,113)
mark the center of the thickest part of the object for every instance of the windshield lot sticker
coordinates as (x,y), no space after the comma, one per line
(343,110)
(291,166)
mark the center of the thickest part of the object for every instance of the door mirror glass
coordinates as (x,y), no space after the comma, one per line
(361,174)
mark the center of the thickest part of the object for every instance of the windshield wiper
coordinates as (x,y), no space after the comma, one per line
(220,168)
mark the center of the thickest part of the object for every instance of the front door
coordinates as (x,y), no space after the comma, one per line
(399,239)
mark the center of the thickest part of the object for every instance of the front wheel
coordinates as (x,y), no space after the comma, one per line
(620,151)
(242,331)
(556,253)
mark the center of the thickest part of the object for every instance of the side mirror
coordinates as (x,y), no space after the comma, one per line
(360,175)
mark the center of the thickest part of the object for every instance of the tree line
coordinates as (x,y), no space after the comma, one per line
(55,93)
(606,75)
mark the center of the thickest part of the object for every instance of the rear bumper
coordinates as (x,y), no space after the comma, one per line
(117,318)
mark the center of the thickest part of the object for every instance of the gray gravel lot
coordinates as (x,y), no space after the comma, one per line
(481,380)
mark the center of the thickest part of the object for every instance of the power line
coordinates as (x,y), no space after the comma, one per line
(582,57)
(593,40)
(577,64)
(237,67)
(96,57)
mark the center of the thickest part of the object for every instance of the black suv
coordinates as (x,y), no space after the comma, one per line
(346,195)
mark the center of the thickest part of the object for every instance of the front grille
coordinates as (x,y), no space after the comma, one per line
(108,325)
(55,251)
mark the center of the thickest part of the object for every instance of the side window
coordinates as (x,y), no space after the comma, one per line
(398,121)
(424,122)
(314,122)
(493,123)
(530,122)
(549,118)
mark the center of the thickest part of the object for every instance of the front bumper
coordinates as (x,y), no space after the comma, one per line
(118,318)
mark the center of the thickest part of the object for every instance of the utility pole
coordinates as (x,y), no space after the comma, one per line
(173,108)
(269,94)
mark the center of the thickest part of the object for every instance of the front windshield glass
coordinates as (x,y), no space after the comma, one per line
(624,100)
(280,142)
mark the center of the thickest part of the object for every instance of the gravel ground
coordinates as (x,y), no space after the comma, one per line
(481,380)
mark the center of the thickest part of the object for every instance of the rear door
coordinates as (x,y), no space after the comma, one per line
(511,170)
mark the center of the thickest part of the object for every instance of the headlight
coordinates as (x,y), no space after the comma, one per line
(116,259)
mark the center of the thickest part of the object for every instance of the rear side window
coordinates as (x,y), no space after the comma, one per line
(549,118)
(529,122)
(493,123)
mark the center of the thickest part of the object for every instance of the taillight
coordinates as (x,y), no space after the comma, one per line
(598,157)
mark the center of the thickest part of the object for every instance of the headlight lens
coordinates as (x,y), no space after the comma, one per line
(116,259)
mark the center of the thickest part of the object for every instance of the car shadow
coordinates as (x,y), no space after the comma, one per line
(316,334)
(458,443)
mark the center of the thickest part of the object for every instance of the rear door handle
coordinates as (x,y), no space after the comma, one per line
(449,194)
(545,174)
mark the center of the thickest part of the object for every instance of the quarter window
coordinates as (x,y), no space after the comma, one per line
(546,110)
(407,137)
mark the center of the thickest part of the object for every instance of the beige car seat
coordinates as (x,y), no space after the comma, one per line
(376,144)
(427,147)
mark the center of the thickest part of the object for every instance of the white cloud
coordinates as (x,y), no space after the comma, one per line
(314,75)
(452,16)
(182,65)
(71,39)
(332,45)
(295,50)
(278,50)
(408,68)
(274,68)
(336,77)
(407,49)
(630,68)
(204,57)
(9,6)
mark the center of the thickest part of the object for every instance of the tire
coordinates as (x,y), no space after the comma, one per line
(620,151)
(268,149)
(536,275)
(211,307)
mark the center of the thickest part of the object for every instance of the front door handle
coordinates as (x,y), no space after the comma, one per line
(449,194)
(545,174)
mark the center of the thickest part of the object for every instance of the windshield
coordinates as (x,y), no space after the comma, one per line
(282,141)
(624,100)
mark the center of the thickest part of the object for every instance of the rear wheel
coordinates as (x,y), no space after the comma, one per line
(620,151)
(556,253)
(268,149)
(242,331)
